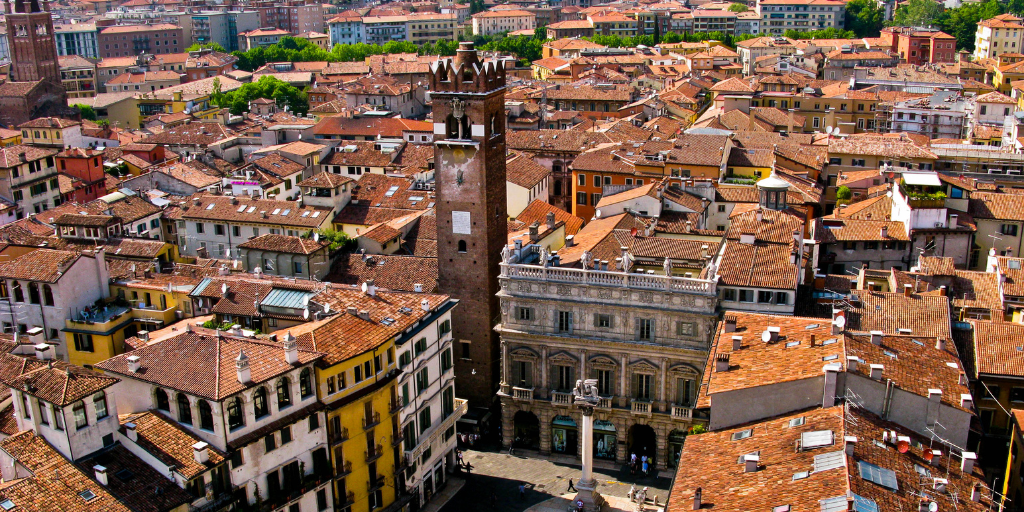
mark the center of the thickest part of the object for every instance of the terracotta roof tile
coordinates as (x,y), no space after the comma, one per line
(284,243)
(392,272)
(164,439)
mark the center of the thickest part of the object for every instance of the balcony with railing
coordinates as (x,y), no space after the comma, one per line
(376,453)
(372,421)
(608,278)
(522,394)
(394,406)
(375,482)
(641,407)
(342,470)
(561,398)
(397,438)
(605,402)
(342,503)
(340,436)
(682,412)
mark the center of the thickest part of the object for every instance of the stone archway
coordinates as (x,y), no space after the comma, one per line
(526,430)
(642,440)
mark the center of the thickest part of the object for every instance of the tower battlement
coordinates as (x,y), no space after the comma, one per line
(466,73)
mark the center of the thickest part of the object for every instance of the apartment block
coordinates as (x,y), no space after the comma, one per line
(132,40)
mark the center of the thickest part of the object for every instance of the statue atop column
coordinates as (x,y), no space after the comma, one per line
(585,396)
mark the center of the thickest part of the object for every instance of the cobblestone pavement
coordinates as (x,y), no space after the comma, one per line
(493,482)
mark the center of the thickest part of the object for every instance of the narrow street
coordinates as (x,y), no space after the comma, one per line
(493,482)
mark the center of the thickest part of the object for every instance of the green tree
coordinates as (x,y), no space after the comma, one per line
(339,240)
(844,194)
(200,46)
(864,17)
(540,33)
(917,13)
(1015,7)
(672,37)
(266,87)
(738,8)
(86,111)
(962,22)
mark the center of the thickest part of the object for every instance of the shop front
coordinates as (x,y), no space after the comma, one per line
(604,439)
(564,435)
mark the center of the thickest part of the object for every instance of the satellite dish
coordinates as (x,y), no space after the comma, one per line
(364,287)
(316,237)
(224,288)
(840,322)
(828,130)
(928,455)
(598,213)
(766,336)
(133,267)
(632,232)
(902,446)
(327,308)
(892,175)
(235,264)
(305,313)
(933,507)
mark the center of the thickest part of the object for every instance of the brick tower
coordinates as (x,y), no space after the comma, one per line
(32,47)
(469,157)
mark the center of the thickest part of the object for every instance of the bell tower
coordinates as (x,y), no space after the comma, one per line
(32,47)
(468,101)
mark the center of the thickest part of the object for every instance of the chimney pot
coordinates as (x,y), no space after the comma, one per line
(813,339)
(876,371)
(130,431)
(201,452)
(876,337)
(850,442)
(143,335)
(291,348)
(242,368)
(966,401)
(730,323)
(364,314)
(737,342)
(751,461)
(697,498)
(134,363)
(967,461)
(908,290)
(425,305)
(43,352)
(942,290)
(569,241)
(101,474)
(418,287)
(722,362)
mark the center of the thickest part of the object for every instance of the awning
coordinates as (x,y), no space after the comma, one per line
(565,421)
(928,179)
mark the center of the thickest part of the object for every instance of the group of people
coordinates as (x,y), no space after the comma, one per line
(643,464)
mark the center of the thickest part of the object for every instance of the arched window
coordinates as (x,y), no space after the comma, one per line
(205,415)
(259,399)
(305,383)
(48,295)
(184,409)
(462,246)
(33,293)
(235,417)
(284,393)
(19,294)
(162,402)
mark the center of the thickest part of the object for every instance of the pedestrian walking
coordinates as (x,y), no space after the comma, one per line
(522,490)
(458,453)
(571,488)
(645,468)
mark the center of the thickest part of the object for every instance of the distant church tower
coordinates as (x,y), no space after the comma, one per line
(469,159)
(32,47)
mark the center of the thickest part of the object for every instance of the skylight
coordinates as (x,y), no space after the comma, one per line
(6,504)
(316,214)
(815,439)
(827,461)
(829,342)
(862,504)
(796,422)
(890,354)
(276,211)
(241,209)
(742,434)
(1014,264)
(210,206)
(792,344)
(837,504)
(801,475)
(830,357)
(87,495)
(391,191)
(286,212)
(305,214)
(812,326)
(251,209)
(881,476)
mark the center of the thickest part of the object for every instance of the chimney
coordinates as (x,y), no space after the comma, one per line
(908,290)
(828,395)
(851,363)
(351,310)
(773,333)
(876,371)
(569,241)
(689,226)
(953,218)
(101,474)
(425,305)
(967,462)
(201,452)
(371,289)
(885,232)
(36,335)
(751,125)
(737,342)
(966,401)
(134,363)
(922,505)
(942,290)
(940,344)
(551,220)
(751,461)
(291,348)
(936,457)
(364,314)
(813,339)
(130,432)
(242,368)
(760,215)
(721,362)
(143,335)
(43,352)
(418,287)
(704,249)
(534,232)
(849,443)
(730,323)
(876,337)
(697,501)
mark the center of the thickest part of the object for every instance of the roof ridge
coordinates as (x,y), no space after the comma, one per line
(216,369)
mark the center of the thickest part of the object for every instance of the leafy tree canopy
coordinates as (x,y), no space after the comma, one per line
(200,46)
(86,111)
(266,87)
(864,17)
(738,8)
